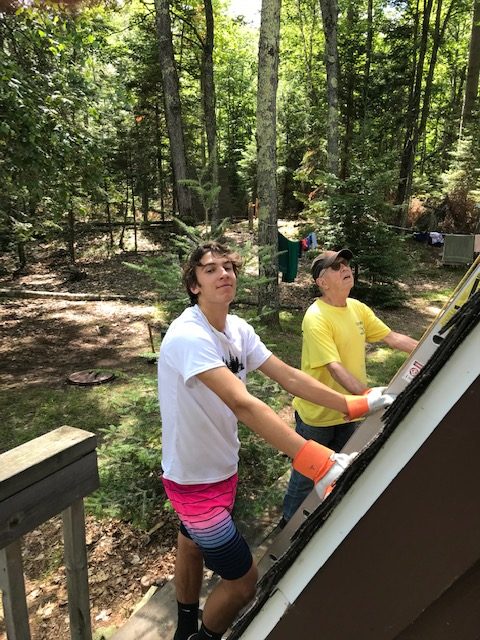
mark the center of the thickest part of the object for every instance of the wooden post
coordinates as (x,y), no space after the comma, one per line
(12,585)
(76,567)
(38,480)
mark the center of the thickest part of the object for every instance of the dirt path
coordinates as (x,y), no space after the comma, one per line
(43,340)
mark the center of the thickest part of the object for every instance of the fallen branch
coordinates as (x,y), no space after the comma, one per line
(65,295)
(150,297)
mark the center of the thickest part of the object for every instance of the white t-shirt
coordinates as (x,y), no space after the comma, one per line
(199,432)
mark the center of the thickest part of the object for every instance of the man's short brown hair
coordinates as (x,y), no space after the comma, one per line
(189,278)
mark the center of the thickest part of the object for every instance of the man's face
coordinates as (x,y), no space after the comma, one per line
(216,279)
(337,277)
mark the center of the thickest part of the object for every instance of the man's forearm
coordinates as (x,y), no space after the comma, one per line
(400,341)
(301,384)
(346,379)
(261,419)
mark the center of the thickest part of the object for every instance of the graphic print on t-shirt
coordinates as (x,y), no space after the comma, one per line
(234,364)
(361,328)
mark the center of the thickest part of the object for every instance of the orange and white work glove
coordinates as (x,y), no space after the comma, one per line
(372,400)
(321,464)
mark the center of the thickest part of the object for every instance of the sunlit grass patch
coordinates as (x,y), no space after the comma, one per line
(383,364)
(436,296)
(125,417)
(30,412)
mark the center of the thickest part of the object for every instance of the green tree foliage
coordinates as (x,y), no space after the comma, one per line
(83,133)
(352,214)
(374,107)
(235,74)
(301,96)
(460,207)
(48,153)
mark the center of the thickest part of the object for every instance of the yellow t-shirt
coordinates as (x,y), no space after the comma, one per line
(335,334)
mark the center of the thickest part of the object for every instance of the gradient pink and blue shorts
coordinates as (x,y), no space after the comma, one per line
(205,515)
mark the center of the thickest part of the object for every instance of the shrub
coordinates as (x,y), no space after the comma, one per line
(351,215)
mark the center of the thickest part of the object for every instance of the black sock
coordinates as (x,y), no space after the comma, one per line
(206,634)
(187,620)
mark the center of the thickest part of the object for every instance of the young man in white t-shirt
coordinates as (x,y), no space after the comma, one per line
(204,360)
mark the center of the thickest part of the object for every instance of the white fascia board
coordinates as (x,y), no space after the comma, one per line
(448,386)
(267,617)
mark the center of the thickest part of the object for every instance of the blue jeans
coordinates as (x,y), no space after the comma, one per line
(334,437)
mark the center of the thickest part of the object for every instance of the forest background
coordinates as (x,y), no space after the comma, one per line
(122,122)
(356,115)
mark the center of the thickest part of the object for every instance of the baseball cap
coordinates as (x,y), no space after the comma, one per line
(326,258)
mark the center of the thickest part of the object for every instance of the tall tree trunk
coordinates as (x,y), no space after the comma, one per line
(420,126)
(121,243)
(71,232)
(408,153)
(208,85)
(471,86)
(268,295)
(134,216)
(173,112)
(158,141)
(413,71)
(454,113)
(368,62)
(109,215)
(330,18)
(352,16)
(21,254)
(438,35)
(307,43)
(141,169)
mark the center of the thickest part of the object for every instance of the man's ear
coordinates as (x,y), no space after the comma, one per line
(319,282)
(195,289)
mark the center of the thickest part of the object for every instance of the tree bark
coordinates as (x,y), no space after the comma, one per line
(125,211)
(408,153)
(420,126)
(134,216)
(109,215)
(368,62)
(173,113)
(208,86)
(330,18)
(352,16)
(473,71)
(22,256)
(307,43)
(142,179)
(268,295)
(454,113)
(438,35)
(158,140)
(71,232)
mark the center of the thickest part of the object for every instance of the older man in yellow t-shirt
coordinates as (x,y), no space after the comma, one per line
(335,330)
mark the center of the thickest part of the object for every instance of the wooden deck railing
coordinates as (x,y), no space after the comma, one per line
(40,479)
